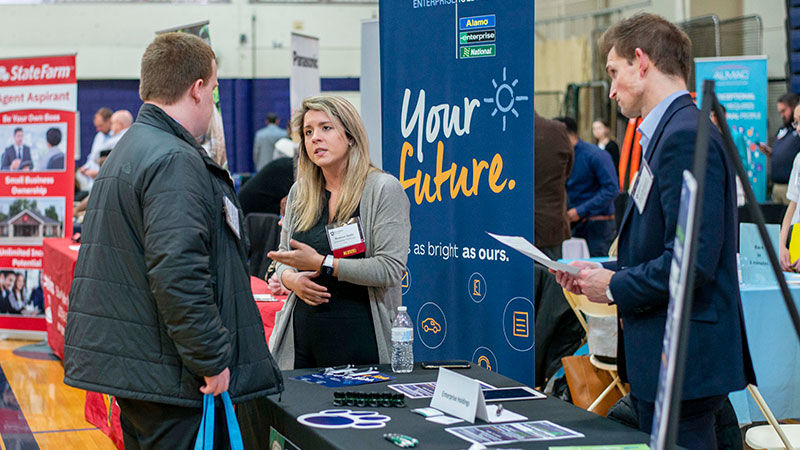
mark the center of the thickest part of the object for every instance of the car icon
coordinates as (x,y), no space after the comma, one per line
(430,325)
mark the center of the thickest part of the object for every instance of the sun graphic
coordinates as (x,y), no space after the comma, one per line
(504,98)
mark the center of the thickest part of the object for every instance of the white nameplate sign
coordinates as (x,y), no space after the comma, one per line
(462,397)
(456,395)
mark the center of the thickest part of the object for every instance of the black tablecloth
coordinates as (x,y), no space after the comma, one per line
(282,411)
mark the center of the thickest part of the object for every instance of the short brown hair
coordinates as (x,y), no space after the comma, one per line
(104,113)
(171,63)
(668,46)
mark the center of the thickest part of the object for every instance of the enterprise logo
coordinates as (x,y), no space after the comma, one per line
(472,37)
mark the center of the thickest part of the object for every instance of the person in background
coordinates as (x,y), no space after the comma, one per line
(591,189)
(648,61)
(553,158)
(162,236)
(264,142)
(121,120)
(602,134)
(213,141)
(341,308)
(792,215)
(102,123)
(784,148)
(263,192)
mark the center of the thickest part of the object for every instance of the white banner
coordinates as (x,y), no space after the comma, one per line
(370,87)
(51,96)
(304,77)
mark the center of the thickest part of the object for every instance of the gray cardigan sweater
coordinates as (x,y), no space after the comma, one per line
(384,213)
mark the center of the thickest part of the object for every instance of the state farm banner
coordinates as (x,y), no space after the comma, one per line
(304,76)
(38,102)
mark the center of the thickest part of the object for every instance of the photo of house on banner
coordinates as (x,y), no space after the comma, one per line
(33,147)
(26,221)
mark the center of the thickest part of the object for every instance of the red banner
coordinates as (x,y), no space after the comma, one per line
(38,103)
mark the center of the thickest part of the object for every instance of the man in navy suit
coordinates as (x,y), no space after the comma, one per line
(16,154)
(649,61)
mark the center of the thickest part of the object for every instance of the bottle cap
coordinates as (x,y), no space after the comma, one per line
(401,308)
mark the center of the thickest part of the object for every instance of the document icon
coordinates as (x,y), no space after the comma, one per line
(521,325)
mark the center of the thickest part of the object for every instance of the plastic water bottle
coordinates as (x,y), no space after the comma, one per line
(402,342)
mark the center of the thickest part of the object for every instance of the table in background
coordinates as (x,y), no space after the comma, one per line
(58,267)
(775,350)
(282,411)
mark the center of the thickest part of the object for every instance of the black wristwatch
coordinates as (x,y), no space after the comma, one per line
(327,265)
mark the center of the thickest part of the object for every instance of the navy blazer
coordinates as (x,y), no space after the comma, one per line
(10,154)
(718,358)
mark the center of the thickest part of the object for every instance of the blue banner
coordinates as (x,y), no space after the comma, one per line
(741,87)
(457,101)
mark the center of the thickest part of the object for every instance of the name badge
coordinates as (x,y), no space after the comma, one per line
(346,239)
(231,215)
(643,184)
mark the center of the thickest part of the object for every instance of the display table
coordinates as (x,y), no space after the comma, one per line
(775,350)
(58,266)
(282,411)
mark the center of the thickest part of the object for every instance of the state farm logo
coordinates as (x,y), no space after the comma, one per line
(35,73)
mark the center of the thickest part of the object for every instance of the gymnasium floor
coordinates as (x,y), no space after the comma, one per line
(37,410)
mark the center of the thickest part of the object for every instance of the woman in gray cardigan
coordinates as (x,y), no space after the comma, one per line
(346,304)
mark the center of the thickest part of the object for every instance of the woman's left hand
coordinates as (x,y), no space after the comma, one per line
(303,257)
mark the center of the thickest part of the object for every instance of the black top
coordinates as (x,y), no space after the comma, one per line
(345,295)
(263,192)
(613,149)
(339,331)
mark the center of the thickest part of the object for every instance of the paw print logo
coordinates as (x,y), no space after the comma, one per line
(344,418)
(4,75)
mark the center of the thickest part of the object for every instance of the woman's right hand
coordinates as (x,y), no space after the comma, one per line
(308,291)
(786,263)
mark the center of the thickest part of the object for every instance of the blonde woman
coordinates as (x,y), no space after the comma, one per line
(341,307)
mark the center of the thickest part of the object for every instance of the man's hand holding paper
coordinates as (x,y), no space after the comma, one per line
(591,281)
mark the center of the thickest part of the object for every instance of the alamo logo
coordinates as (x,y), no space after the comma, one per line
(471,23)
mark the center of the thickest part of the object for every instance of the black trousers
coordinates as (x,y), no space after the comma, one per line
(697,425)
(150,425)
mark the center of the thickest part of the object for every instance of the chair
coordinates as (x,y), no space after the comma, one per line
(264,234)
(582,306)
(773,436)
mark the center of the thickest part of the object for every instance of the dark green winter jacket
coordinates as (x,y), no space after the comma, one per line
(161,295)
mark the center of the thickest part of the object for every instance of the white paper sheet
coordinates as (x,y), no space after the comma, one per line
(522,245)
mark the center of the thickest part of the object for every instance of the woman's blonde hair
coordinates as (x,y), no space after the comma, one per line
(310,199)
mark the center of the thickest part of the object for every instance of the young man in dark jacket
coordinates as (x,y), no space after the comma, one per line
(160,308)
